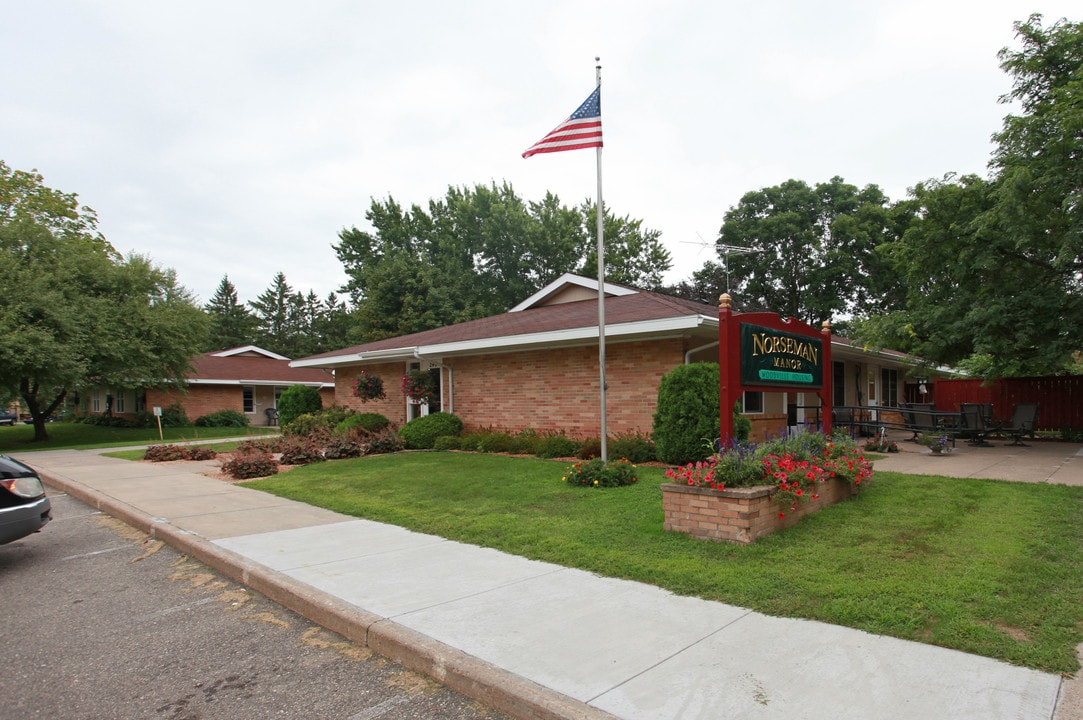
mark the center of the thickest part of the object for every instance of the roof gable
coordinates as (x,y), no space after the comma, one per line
(630,313)
(249,351)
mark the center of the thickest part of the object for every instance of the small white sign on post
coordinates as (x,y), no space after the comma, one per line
(158,416)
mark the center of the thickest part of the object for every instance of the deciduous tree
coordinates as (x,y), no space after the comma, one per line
(80,314)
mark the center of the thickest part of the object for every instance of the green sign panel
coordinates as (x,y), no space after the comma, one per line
(775,358)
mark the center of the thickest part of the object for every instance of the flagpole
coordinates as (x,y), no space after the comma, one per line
(601,283)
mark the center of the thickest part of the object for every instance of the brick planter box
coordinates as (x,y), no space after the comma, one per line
(740,515)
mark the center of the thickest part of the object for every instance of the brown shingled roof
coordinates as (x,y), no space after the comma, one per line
(210,367)
(640,307)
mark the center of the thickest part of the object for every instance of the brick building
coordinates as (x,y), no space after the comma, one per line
(246,379)
(536,366)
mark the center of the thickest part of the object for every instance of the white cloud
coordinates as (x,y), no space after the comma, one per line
(240,138)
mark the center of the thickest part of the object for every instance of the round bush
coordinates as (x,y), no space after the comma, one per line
(686,422)
(222,418)
(298,400)
(366,421)
(421,433)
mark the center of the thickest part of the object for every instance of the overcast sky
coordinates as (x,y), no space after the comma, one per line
(241,137)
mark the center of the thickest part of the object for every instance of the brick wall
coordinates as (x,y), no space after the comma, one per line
(393,407)
(198,401)
(739,515)
(558,390)
(544,390)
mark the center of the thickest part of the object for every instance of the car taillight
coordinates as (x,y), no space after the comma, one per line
(27,487)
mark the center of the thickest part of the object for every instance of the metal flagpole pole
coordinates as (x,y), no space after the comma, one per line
(601,283)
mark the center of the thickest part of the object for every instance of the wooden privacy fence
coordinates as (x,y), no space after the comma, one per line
(1060,398)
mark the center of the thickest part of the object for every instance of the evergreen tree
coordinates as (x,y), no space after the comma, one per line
(232,325)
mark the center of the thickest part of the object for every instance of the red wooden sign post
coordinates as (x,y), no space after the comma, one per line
(761,352)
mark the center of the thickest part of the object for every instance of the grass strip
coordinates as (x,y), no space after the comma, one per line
(80,436)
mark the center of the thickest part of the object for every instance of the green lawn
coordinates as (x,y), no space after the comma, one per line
(987,567)
(80,436)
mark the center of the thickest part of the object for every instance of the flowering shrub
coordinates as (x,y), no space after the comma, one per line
(796,465)
(595,473)
(880,444)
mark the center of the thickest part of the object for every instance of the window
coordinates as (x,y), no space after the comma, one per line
(96,401)
(752,403)
(249,394)
(889,386)
(118,402)
(838,383)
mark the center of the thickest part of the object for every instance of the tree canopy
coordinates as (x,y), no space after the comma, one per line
(78,314)
(477,252)
(803,251)
(994,268)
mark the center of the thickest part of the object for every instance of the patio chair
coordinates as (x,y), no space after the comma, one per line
(918,418)
(272,416)
(974,424)
(1024,421)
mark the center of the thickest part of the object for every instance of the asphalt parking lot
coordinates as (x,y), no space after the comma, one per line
(102,621)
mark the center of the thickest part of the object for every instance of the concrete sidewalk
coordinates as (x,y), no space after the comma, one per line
(537,640)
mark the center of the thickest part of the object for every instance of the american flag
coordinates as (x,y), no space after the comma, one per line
(582,130)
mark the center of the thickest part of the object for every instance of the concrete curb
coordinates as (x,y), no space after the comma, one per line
(501,690)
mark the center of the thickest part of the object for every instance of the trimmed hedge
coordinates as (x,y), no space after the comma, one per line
(298,400)
(222,418)
(421,433)
(686,422)
(366,421)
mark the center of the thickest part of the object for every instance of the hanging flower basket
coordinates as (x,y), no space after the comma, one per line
(419,386)
(369,387)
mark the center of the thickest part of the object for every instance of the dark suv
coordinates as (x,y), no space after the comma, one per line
(24,509)
(7,417)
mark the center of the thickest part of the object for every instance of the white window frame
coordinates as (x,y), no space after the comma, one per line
(744,402)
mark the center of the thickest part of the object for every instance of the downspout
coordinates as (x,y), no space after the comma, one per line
(688,355)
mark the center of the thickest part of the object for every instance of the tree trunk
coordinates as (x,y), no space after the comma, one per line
(38,414)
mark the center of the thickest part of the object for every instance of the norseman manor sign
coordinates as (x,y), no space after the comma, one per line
(761,352)
(773,357)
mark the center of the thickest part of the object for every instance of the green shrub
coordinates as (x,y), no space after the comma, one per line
(366,421)
(526,442)
(635,447)
(597,474)
(421,433)
(298,400)
(222,418)
(306,424)
(686,422)
(591,448)
(556,445)
(335,414)
(173,416)
(497,442)
(448,442)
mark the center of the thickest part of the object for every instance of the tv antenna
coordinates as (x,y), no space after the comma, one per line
(726,250)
